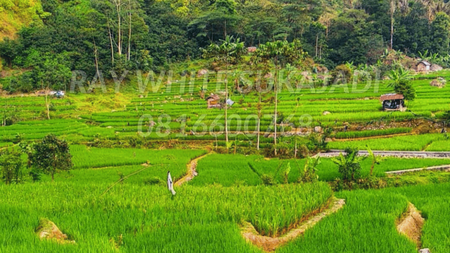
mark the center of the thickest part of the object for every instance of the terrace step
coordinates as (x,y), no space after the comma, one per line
(399,172)
(270,244)
(401,154)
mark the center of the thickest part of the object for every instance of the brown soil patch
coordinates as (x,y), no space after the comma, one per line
(48,230)
(410,224)
(191,170)
(269,244)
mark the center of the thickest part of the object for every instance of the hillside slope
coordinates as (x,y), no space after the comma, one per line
(14,14)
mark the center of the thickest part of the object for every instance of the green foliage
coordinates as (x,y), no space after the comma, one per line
(268,179)
(286,172)
(397,76)
(342,74)
(405,88)
(440,33)
(230,50)
(280,53)
(153,181)
(349,164)
(12,165)
(309,173)
(51,155)
(370,133)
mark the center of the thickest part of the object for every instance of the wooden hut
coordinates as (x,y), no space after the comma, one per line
(213,101)
(251,49)
(423,66)
(393,102)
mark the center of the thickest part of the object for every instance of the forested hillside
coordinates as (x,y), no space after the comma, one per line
(14,14)
(93,35)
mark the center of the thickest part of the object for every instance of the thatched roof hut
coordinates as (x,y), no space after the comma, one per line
(423,66)
(213,101)
(393,102)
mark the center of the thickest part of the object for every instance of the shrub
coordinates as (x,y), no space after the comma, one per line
(153,181)
(268,180)
(349,164)
(341,73)
(11,165)
(405,88)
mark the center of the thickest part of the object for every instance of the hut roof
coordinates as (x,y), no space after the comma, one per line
(213,97)
(424,63)
(251,49)
(391,96)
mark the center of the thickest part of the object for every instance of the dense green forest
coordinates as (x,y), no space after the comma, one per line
(92,35)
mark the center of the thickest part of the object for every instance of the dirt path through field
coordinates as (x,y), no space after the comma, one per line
(269,244)
(191,170)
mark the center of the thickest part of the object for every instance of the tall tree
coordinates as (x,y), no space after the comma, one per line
(229,50)
(51,155)
(279,53)
(440,34)
(12,165)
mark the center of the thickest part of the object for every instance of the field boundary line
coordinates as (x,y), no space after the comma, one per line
(371,137)
(432,168)
(393,153)
(270,244)
(191,170)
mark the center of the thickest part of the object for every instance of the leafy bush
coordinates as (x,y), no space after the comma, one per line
(349,164)
(268,179)
(153,181)
(405,88)
(341,74)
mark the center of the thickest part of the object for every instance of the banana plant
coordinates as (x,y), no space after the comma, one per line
(375,159)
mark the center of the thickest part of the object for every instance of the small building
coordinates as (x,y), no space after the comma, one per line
(213,101)
(423,66)
(251,49)
(393,102)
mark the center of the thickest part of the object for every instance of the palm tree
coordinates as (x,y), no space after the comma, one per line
(229,49)
(396,76)
(375,159)
(279,53)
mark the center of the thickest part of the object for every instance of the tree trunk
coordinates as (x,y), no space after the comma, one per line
(47,105)
(129,31)
(275,113)
(96,60)
(226,97)
(46,100)
(317,44)
(371,167)
(216,141)
(296,150)
(225,31)
(119,26)
(111,43)
(392,22)
(258,129)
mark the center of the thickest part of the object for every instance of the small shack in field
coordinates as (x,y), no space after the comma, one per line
(251,49)
(393,102)
(423,66)
(213,101)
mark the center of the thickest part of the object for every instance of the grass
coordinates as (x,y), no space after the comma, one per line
(142,215)
(370,133)
(100,157)
(226,170)
(402,143)
(366,224)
